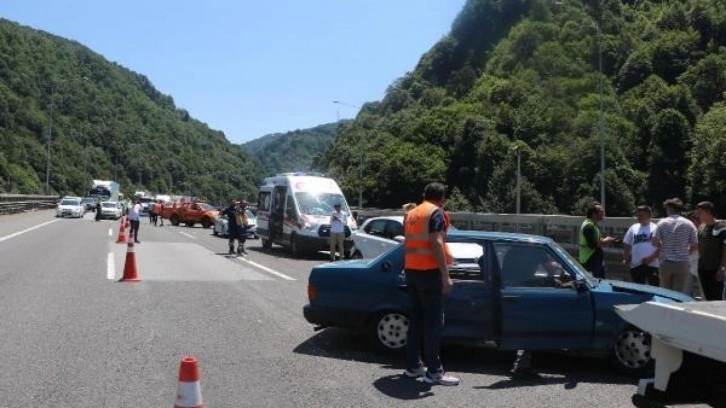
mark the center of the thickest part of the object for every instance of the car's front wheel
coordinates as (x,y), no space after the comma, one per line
(389,331)
(631,352)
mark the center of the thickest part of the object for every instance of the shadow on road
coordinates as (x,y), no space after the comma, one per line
(554,368)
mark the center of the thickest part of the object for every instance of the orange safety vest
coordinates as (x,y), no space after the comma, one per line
(418,248)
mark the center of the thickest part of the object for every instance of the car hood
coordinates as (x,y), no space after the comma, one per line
(636,288)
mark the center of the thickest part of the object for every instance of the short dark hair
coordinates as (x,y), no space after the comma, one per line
(644,208)
(674,203)
(592,209)
(705,205)
(434,191)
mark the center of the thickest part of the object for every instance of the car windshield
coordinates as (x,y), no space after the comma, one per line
(71,202)
(573,263)
(320,204)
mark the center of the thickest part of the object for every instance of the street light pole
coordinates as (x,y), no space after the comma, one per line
(602,116)
(50,138)
(360,163)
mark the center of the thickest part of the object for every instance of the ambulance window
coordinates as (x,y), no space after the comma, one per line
(290,208)
(263,202)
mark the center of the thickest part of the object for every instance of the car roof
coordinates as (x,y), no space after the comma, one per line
(511,236)
(398,218)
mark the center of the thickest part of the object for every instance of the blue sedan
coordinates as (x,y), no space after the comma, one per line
(522,292)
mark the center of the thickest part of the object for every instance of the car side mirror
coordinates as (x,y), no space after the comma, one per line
(581,285)
(399,238)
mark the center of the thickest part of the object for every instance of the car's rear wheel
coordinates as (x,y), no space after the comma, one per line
(174,220)
(206,223)
(389,331)
(631,352)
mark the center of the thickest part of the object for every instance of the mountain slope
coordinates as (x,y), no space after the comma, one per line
(107,122)
(294,150)
(524,75)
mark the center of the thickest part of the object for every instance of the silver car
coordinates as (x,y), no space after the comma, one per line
(221,228)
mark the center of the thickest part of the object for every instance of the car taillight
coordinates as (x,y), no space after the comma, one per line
(312,292)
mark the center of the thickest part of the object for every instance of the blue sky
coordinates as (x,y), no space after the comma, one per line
(250,68)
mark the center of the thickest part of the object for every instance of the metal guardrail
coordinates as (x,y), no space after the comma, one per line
(14,203)
(563,229)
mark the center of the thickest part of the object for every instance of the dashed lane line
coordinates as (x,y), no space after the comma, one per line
(111,268)
(187,235)
(15,234)
(268,270)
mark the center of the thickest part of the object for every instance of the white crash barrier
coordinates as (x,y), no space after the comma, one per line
(695,327)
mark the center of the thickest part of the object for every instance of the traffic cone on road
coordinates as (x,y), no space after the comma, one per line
(189,391)
(131,274)
(121,236)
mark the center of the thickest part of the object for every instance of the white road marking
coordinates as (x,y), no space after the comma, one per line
(110,232)
(268,270)
(111,268)
(187,235)
(13,235)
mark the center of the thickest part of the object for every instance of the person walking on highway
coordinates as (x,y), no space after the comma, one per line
(427,259)
(677,238)
(161,213)
(135,219)
(242,223)
(591,254)
(711,252)
(232,229)
(640,254)
(152,213)
(338,221)
(98,209)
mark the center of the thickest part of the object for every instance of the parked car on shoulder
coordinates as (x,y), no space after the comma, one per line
(221,225)
(70,207)
(111,209)
(523,292)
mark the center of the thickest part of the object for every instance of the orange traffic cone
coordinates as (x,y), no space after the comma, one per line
(189,392)
(121,236)
(128,224)
(130,272)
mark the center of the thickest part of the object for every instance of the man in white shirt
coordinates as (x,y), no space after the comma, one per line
(135,219)
(640,253)
(676,237)
(338,221)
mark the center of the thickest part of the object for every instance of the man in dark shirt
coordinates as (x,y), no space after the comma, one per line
(591,241)
(232,228)
(711,251)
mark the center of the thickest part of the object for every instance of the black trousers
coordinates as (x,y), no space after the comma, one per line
(712,288)
(135,229)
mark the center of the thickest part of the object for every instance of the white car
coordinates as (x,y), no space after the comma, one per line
(221,229)
(111,209)
(379,234)
(70,207)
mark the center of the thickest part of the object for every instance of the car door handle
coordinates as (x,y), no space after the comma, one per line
(510,299)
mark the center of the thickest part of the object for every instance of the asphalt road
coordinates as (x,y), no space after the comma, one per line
(72,336)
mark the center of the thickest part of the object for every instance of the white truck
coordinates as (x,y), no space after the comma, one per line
(293,210)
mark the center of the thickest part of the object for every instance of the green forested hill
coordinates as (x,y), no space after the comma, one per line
(524,73)
(107,122)
(290,151)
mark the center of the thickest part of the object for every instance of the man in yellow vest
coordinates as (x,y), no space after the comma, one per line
(427,280)
(591,241)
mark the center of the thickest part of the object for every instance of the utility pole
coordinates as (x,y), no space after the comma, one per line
(519,178)
(602,116)
(49,141)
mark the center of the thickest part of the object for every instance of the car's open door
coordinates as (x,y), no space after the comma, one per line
(469,309)
(541,308)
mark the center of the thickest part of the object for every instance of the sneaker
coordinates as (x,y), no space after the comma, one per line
(524,373)
(441,379)
(415,373)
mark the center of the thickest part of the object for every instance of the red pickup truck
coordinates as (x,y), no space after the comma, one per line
(190,214)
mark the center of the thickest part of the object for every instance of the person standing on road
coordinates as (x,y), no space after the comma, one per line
(711,252)
(135,219)
(153,212)
(640,254)
(232,229)
(98,209)
(161,213)
(338,221)
(677,238)
(591,241)
(427,281)
(242,224)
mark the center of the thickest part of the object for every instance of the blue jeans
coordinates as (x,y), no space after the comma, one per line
(426,319)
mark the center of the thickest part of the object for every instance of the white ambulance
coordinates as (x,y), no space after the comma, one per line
(294,209)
